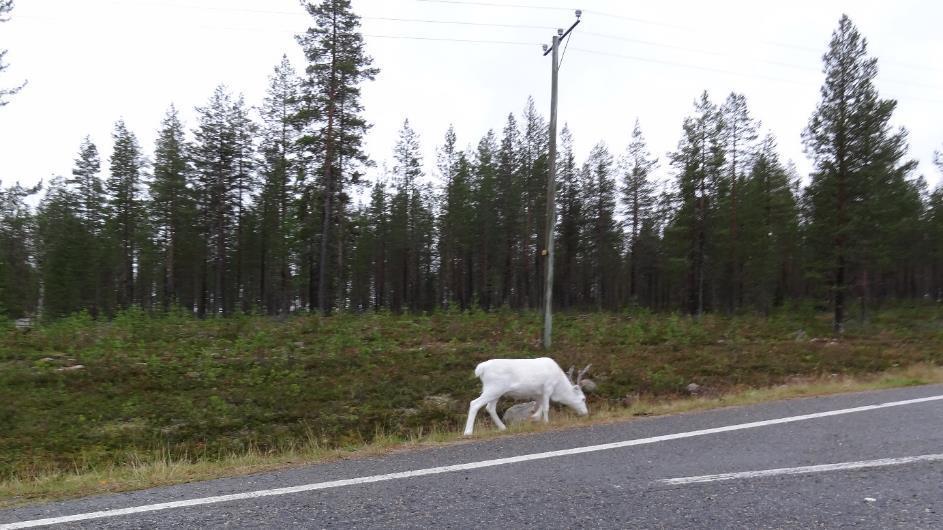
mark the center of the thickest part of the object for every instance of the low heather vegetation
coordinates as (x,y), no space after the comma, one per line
(80,394)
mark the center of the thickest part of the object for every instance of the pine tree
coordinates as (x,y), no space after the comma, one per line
(5,7)
(337,65)
(638,198)
(858,161)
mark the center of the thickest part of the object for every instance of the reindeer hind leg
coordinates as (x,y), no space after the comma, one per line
(473,409)
(493,410)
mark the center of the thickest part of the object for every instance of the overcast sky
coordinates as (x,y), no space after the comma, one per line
(90,62)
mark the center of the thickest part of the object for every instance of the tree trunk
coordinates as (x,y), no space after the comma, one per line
(323,303)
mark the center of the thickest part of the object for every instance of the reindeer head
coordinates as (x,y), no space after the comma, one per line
(577,399)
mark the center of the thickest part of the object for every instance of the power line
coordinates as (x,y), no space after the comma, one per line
(694,29)
(493,4)
(659,61)
(410,37)
(664,24)
(527,26)
(654,61)
(733,56)
(691,49)
(458,22)
(683,65)
(214,8)
(641,20)
(733,72)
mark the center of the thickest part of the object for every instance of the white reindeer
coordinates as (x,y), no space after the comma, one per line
(540,379)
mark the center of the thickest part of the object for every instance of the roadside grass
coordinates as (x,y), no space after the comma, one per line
(165,400)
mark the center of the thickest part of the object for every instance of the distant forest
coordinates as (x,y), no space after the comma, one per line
(267,209)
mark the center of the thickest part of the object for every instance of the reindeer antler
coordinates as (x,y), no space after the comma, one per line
(582,373)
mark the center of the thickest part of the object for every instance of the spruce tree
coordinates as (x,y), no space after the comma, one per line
(603,238)
(245,183)
(769,233)
(485,221)
(638,198)
(510,212)
(88,185)
(123,188)
(61,255)
(379,231)
(456,232)
(19,281)
(213,153)
(360,297)
(739,137)
(280,169)
(172,210)
(89,191)
(449,216)
(698,160)
(533,151)
(933,223)
(570,224)
(411,227)
(858,162)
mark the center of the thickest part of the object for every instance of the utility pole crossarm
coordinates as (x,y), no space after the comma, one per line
(551,182)
(563,35)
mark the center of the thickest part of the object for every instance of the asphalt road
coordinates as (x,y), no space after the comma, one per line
(571,479)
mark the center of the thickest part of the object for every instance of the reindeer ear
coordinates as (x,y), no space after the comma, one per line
(569,374)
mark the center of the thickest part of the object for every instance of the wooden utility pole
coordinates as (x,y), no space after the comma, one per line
(551,182)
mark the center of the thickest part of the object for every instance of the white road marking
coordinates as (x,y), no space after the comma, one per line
(805,469)
(456,467)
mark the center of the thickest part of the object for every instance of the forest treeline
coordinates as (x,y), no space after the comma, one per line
(266,209)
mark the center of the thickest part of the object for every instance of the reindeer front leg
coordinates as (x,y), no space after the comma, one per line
(544,406)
